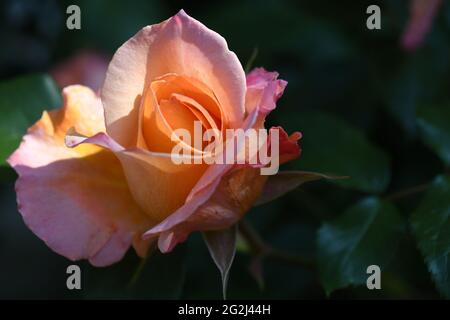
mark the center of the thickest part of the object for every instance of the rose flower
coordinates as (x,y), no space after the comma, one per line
(96,175)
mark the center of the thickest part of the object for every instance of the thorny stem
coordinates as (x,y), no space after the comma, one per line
(261,249)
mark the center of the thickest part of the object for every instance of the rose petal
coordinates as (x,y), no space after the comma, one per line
(157,184)
(202,192)
(263,90)
(180,45)
(216,171)
(288,148)
(151,176)
(212,203)
(235,194)
(76,200)
(162,111)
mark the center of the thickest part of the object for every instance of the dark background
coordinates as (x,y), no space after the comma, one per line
(347,84)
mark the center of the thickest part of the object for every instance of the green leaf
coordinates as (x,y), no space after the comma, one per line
(279,184)
(332,146)
(366,234)
(434,124)
(22,101)
(431,227)
(222,247)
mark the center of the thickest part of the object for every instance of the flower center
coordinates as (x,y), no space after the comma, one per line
(174,102)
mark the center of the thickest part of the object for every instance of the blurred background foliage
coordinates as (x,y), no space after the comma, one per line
(366,107)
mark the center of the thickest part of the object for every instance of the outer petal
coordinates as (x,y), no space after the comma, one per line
(76,200)
(200,193)
(289,148)
(216,171)
(180,45)
(219,199)
(233,197)
(151,176)
(263,90)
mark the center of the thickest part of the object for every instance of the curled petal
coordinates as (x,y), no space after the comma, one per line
(174,102)
(151,176)
(289,148)
(221,196)
(179,45)
(74,139)
(263,90)
(180,215)
(76,200)
(216,171)
(234,196)
(199,195)
(157,184)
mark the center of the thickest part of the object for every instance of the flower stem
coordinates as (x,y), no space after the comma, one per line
(261,249)
(137,274)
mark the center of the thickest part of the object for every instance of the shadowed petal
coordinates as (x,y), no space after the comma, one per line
(213,208)
(151,176)
(76,200)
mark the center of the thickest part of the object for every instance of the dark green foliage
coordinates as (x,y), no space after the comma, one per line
(367,109)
